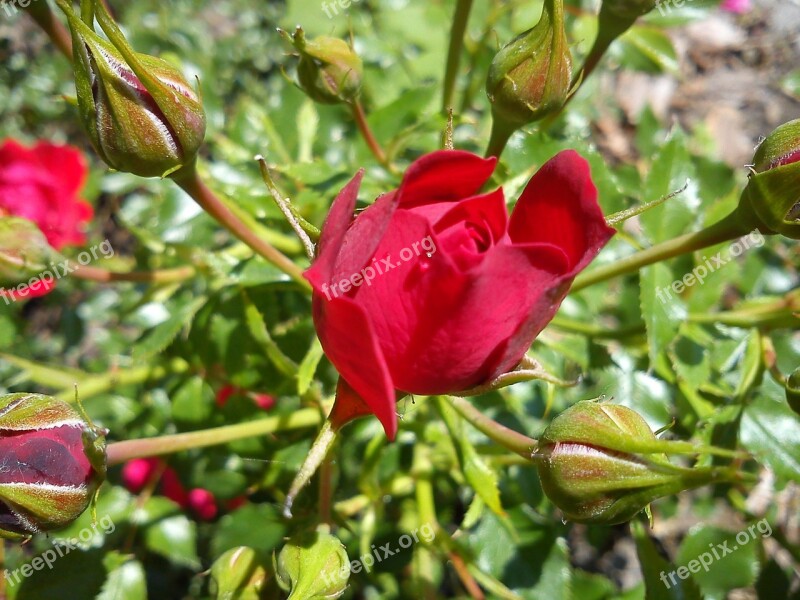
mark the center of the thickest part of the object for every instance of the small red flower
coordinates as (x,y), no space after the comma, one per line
(42,184)
(434,289)
(263,401)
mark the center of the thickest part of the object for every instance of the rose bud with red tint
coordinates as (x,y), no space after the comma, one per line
(601,463)
(434,289)
(771,200)
(530,77)
(140,113)
(52,464)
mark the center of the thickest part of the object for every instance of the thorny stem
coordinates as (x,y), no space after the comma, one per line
(176,275)
(728,228)
(189,180)
(119,452)
(363,126)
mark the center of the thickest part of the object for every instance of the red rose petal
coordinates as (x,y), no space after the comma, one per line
(442,176)
(559,207)
(349,341)
(333,232)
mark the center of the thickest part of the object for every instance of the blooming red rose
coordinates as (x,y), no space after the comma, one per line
(41,184)
(434,289)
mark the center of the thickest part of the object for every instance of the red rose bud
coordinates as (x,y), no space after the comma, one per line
(313,566)
(138,472)
(42,183)
(329,70)
(240,574)
(433,255)
(771,200)
(140,113)
(53,464)
(26,260)
(600,463)
(793,391)
(530,77)
(203,504)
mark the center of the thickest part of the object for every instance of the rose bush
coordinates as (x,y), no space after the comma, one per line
(42,184)
(465,310)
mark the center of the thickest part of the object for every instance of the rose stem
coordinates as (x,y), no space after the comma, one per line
(786,308)
(457,32)
(361,121)
(40,12)
(189,180)
(98,384)
(326,438)
(728,228)
(500,434)
(119,452)
(157,276)
(501,133)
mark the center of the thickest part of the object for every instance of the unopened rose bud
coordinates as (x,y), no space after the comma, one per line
(329,70)
(140,113)
(771,200)
(53,464)
(24,252)
(793,391)
(601,463)
(530,77)
(239,574)
(313,566)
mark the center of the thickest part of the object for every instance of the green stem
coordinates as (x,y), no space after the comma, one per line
(501,133)
(779,311)
(176,275)
(119,452)
(326,438)
(727,229)
(189,180)
(457,32)
(500,434)
(595,331)
(99,384)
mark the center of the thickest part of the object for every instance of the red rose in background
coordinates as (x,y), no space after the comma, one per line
(41,184)
(434,289)
(262,401)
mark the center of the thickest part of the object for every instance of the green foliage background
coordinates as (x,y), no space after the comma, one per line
(180,343)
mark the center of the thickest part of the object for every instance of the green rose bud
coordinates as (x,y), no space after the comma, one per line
(239,574)
(329,70)
(793,391)
(139,112)
(601,463)
(24,251)
(771,200)
(530,77)
(313,566)
(53,464)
